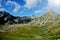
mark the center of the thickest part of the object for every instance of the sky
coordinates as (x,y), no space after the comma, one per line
(29,7)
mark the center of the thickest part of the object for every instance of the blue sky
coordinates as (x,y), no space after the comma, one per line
(29,7)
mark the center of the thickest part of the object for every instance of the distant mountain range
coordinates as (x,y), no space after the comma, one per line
(5,17)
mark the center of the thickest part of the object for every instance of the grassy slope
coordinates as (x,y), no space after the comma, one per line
(49,31)
(26,38)
(24,33)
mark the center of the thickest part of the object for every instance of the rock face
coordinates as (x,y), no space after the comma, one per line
(5,17)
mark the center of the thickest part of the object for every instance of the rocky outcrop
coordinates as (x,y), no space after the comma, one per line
(5,17)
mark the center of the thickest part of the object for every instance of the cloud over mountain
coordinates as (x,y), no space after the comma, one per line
(31,3)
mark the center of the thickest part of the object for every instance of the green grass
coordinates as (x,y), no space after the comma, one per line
(26,33)
(25,38)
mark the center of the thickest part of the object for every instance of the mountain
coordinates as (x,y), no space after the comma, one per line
(5,17)
(49,22)
(50,17)
(47,26)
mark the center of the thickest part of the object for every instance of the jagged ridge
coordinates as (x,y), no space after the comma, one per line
(5,17)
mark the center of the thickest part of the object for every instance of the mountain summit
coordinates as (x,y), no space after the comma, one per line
(50,17)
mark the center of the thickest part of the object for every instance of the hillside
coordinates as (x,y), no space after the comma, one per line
(51,21)
(46,27)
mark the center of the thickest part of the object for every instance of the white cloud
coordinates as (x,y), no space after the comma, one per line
(17,6)
(0,0)
(2,9)
(41,10)
(38,11)
(16,9)
(52,3)
(31,3)
(22,12)
(0,3)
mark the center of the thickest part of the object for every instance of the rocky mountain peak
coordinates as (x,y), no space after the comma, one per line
(5,17)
